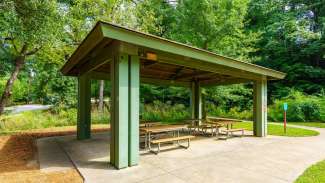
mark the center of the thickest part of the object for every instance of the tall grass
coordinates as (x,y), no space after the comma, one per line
(165,112)
(234,112)
(46,119)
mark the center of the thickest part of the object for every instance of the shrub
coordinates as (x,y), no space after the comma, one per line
(235,112)
(300,108)
(20,91)
(159,111)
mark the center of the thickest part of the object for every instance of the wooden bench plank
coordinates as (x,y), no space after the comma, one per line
(230,131)
(172,139)
(159,141)
(234,130)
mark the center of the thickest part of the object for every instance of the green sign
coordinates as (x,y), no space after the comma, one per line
(285,106)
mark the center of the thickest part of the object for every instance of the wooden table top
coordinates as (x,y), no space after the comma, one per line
(151,123)
(162,128)
(222,122)
(223,119)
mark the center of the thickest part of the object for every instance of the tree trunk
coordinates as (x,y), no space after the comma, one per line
(101,96)
(19,63)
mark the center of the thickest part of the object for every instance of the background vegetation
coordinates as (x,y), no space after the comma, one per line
(286,35)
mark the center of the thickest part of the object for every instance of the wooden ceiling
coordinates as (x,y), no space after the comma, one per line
(162,71)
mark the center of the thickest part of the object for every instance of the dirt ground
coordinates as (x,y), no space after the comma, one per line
(19,161)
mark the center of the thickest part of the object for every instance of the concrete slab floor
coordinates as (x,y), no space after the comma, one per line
(246,159)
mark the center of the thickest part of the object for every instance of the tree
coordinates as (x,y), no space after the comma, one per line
(215,25)
(26,27)
(292,41)
(101,96)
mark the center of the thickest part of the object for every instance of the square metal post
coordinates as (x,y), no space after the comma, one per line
(196,100)
(134,105)
(260,108)
(125,79)
(120,110)
(84,107)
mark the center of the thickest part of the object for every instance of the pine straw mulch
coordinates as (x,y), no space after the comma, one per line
(19,162)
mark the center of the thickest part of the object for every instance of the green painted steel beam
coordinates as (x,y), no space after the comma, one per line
(196,100)
(134,105)
(225,82)
(119,147)
(260,108)
(84,105)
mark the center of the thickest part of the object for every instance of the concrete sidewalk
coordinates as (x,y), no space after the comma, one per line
(247,159)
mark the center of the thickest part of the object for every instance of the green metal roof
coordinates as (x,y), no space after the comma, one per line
(192,56)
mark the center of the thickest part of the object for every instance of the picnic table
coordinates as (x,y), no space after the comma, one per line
(149,123)
(149,130)
(223,121)
(219,122)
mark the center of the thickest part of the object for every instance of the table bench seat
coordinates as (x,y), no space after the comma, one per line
(171,139)
(230,131)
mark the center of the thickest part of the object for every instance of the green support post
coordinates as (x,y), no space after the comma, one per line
(84,105)
(196,100)
(134,105)
(125,79)
(260,108)
(120,110)
(204,112)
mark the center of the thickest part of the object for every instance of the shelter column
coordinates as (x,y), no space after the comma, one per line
(134,105)
(196,100)
(260,107)
(84,107)
(124,146)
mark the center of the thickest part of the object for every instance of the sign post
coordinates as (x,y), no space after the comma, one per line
(285,107)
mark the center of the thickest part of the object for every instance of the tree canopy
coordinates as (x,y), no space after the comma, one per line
(286,35)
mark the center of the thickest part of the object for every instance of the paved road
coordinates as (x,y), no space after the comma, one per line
(248,159)
(29,107)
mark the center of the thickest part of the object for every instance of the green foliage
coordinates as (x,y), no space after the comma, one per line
(301,108)
(286,35)
(47,119)
(20,92)
(158,111)
(234,112)
(274,129)
(38,120)
(173,95)
(314,174)
(292,41)
(226,97)
(98,117)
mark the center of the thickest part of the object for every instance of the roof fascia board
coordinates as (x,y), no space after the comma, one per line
(149,41)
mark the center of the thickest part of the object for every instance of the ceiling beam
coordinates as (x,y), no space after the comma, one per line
(90,42)
(205,66)
(211,83)
(198,75)
(104,53)
(147,80)
(177,73)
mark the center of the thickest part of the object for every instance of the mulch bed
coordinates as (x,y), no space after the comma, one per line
(19,162)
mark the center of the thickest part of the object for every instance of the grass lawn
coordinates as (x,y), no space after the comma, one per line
(278,130)
(310,124)
(314,174)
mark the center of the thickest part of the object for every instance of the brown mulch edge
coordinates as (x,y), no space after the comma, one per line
(18,157)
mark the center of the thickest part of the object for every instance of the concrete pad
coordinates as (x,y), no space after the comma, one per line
(51,156)
(246,159)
